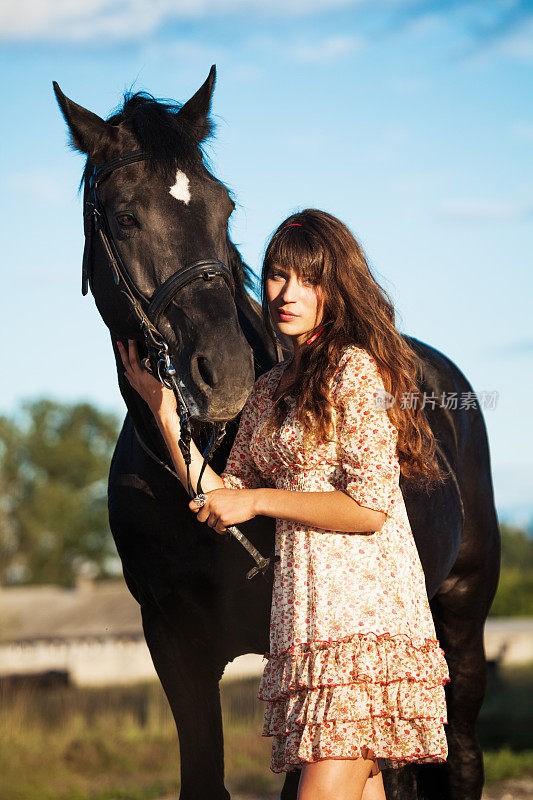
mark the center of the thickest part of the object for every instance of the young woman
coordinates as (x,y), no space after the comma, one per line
(355,675)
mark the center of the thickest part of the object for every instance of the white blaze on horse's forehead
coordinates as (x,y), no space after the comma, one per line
(180,190)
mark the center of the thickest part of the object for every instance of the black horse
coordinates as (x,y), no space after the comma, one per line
(198,609)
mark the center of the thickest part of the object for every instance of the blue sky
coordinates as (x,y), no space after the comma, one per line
(411,121)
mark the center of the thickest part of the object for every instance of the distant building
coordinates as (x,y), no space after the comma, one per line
(93,631)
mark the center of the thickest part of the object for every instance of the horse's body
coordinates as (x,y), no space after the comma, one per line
(198,609)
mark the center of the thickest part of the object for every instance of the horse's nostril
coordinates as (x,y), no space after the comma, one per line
(206,371)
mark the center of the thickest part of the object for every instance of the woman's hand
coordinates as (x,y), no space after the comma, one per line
(225,507)
(160,399)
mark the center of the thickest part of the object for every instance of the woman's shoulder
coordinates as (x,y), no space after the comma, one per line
(356,367)
(355,357)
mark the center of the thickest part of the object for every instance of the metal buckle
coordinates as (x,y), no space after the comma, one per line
(165,370)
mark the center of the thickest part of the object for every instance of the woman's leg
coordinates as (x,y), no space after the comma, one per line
(374,789)
(334,779)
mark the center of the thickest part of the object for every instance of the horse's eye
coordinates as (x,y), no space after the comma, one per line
(126,220)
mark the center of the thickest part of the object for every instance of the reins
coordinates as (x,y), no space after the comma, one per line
(148,314)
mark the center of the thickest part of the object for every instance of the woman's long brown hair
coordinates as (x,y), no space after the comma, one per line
(356,310)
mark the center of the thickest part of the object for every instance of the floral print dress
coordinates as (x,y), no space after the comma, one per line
(354,667)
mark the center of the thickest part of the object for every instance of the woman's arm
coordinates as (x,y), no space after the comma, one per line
(367,438)
(162,404)
(169,425)
(334,511)
(325,510)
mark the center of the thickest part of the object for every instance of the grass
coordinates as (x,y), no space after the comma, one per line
(506,718)
(76,743)
(505,724)
(500,765)
(113,743)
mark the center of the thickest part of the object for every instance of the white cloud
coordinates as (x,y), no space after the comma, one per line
(328,49)
(309,50)
(89,21)
(72,21)
(518,43)
(183,49)
(424,25)
(484,210)
(316,51)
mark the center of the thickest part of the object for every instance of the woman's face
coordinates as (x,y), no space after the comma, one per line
(296,305)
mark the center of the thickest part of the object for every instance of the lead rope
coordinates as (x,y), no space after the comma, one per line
(167,375)
(219,431)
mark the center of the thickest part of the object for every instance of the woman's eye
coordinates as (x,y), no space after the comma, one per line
(126,220)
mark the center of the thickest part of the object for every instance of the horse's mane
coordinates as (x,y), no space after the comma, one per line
(168,141)
(161,133)
(242,273)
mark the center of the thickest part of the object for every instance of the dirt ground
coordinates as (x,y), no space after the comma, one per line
(514,789)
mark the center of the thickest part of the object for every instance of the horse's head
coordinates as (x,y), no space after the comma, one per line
(164,212)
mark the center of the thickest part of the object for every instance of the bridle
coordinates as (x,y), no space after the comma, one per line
(148,314)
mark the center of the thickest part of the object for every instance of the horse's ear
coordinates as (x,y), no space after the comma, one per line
(196,110)
(88,132)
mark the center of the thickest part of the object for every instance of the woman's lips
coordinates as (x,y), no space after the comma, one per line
(286,315)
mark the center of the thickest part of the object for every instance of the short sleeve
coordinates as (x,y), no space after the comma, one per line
(241,471)
(366,436)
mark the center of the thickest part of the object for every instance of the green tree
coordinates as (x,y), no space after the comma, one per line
(54,460)
(514,597)
(517,547)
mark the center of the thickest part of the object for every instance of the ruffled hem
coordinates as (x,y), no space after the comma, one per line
(380,693)
(403,700)
(393,742)
(371,657)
